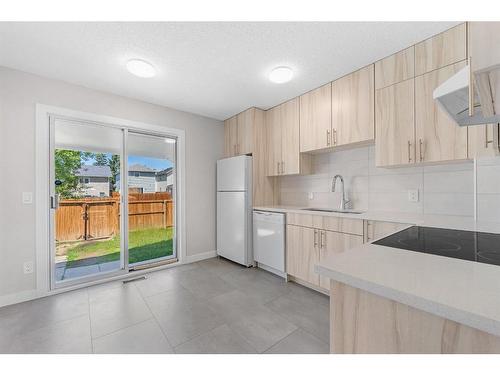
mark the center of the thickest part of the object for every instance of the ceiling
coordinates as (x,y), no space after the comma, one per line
(213,69)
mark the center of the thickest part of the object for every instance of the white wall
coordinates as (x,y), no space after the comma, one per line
(444,189)
(488,189)
(19,92)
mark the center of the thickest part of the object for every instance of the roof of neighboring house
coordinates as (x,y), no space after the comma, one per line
(165,171)
(139,168)
(94,171)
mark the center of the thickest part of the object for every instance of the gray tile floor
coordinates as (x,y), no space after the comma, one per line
(213,306)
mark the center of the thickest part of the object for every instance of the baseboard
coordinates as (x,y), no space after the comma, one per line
(201,256)
(26,295)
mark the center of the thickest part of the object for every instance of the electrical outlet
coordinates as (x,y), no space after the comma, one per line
(413,195)
(27,197)
(28,267)
(310,196)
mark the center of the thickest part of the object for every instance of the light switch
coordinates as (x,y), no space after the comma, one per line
(27,197)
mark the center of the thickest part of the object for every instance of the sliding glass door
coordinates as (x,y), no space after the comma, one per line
(112,195)
(151,205)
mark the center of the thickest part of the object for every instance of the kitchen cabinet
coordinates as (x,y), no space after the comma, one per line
(239,133)
(282,123)
(395,68)
(302,253)
(331,243)
(444,49)
(353,108)
(230,136)
(483,140)
(315,238)
(438,137)
(316,119)
(395,124)
(376,230)
(245,122)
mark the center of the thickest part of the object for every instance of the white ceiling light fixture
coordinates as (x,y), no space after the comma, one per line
(281,74)
(141,68)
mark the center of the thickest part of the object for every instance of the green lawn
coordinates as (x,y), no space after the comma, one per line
(143,245)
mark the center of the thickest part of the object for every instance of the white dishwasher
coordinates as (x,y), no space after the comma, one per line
(269,241)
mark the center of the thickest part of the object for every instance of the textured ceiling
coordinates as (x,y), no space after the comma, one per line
(213,69)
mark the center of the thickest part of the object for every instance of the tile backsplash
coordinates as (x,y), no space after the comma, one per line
(488,189)
(443,189)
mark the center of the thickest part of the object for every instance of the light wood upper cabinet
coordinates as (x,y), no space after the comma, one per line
(483,140)
(331,243)
(290,141)
(245,122)
(395,124)
(441,50)
(438,137)
(283,141)
(353,108)
(302,253)
(230,136)
(395,68)
(273,139)
(316,119)
(484,44)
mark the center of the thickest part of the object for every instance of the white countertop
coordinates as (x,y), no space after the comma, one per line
(463,291)
(439,221)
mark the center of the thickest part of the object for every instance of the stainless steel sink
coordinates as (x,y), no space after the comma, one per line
(333,210)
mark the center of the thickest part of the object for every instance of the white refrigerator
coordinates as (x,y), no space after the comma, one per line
(234,209)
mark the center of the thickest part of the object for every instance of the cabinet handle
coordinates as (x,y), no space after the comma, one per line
(328,137)
(334,136)
(282,167)
(278,167)
(315,238)
(322,241)
(486,142)
(409,152)
(420,143)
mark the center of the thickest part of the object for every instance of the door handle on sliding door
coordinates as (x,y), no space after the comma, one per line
(54,201)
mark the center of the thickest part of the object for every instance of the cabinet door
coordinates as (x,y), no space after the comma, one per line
(290,137)
(316,119)
(273,135)
(395,124)
(245,122)
(484,44)
(482,141)
(441,50)
(230,136)
(438,137)
(353,108)
(332,243)
(302,253)
(395,68)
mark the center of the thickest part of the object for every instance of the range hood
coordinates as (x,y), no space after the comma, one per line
(453,96)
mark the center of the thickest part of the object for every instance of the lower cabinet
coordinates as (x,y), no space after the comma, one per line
(376,230)
(306,247)
(302,253)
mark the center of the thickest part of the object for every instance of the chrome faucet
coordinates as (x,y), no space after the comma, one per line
(343,200)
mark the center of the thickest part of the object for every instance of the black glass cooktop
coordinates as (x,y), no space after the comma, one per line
(474,246)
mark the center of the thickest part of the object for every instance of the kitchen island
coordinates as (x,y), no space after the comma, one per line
(390,300)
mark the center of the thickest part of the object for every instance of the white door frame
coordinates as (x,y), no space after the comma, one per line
(42,182)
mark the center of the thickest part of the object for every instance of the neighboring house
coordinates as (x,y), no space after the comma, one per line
(142,179)
(165,180)
(94,180)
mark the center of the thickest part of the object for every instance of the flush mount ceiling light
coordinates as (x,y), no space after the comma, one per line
(141,68)
(281,74)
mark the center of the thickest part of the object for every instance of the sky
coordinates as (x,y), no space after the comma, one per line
(153,163)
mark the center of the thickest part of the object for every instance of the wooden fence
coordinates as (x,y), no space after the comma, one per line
(93,218)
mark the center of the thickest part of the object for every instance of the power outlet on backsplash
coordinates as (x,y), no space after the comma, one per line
(413,195)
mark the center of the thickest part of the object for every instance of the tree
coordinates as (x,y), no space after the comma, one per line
(67,163)
(100,159)
(114,165)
